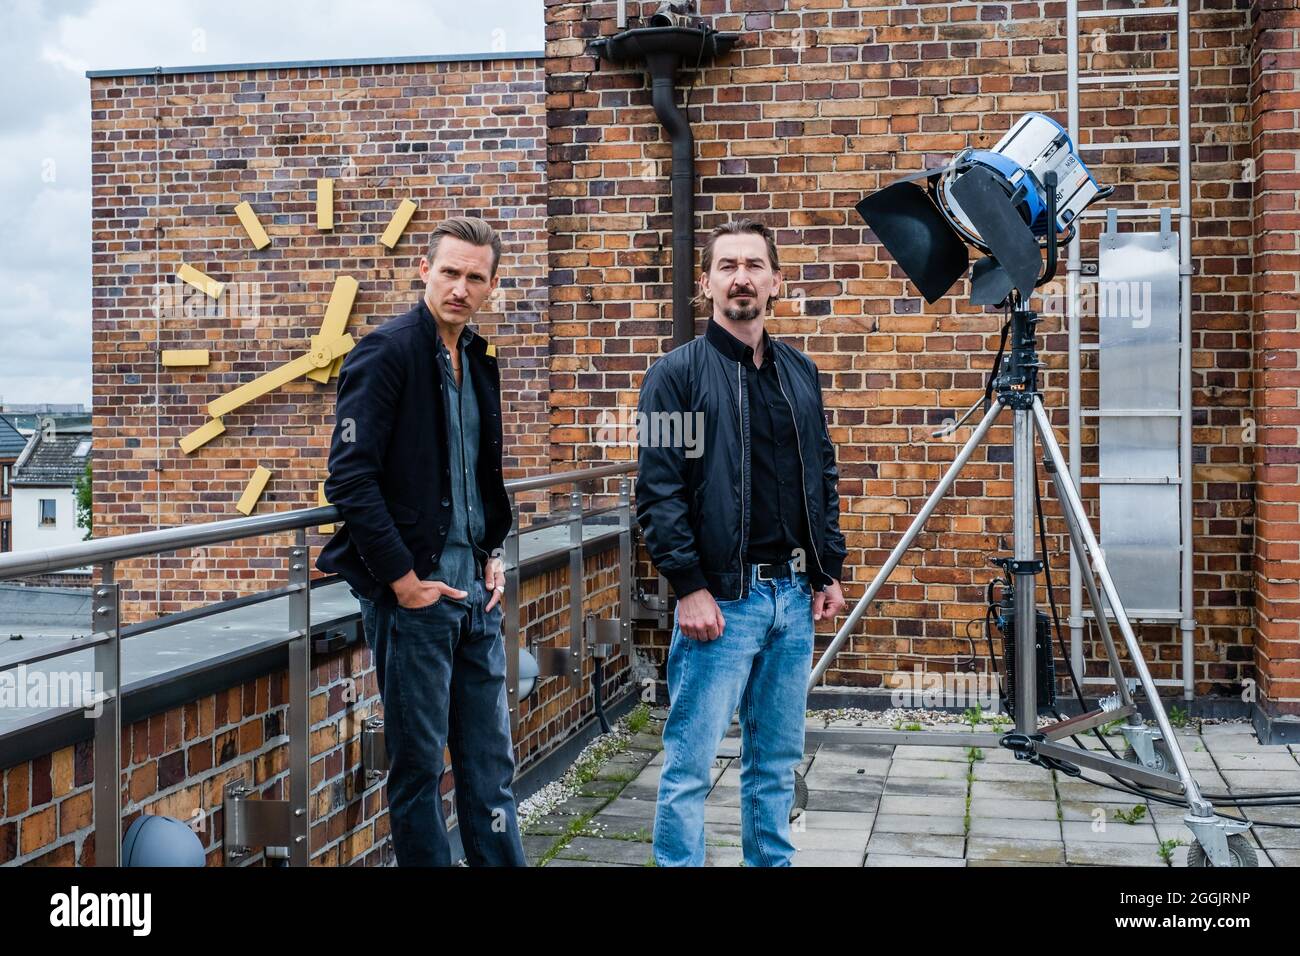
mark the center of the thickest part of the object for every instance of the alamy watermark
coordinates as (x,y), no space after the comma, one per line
(41,690)
(928,690)
(632,427)
(239,301)
(1104,299)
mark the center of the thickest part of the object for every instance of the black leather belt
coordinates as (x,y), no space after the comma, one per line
(773,572)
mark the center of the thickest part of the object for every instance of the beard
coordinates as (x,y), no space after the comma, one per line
(741,313)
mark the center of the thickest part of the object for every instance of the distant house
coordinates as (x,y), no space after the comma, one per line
(12,443)
(43,486)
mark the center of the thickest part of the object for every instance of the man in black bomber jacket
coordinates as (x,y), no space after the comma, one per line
(745,526)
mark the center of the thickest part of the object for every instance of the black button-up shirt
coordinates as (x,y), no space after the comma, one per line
(778,512)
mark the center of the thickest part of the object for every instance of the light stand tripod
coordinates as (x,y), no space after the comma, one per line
(1160,762)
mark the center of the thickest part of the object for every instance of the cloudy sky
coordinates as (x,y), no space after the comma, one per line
(45,128)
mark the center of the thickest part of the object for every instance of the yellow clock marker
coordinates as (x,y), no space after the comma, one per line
(336,319)
(322,355)
(185,358)
(252,225)
(398,224)
(205,284)
(256,485)
(324,204)
(202,435)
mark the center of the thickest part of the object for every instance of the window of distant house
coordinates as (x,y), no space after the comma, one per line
(47,513)
(4,481)
(4,535)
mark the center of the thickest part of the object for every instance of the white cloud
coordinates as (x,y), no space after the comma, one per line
(45,128)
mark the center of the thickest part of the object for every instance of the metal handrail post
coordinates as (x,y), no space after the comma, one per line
(512,618)
(625,567)
(299,721)
(106,612)
(577,592)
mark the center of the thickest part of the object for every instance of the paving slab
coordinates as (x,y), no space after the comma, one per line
(886,859)
(906,804)
(597,850)
(919,823)
(913,752)
(1041,789)
(1114,831)
(1012,809)
(916,844)
(929,769)
(843,840)
(562,862)
(1003,828)
(1253,760)
(925,786)
(1098,853)
(813,858)
(993,849)
(837,820)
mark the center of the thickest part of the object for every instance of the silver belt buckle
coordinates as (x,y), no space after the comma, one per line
(760,573)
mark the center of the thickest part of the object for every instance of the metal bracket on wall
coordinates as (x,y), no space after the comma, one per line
(605,632)
(374,751)
(654,607)
(250,823)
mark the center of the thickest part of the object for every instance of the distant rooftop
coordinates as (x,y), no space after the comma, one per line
(56,459)
(38,408)
(309,64)
(43,611)
(12,442)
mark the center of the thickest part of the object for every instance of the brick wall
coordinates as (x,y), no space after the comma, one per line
(1275,144)
(171,156)
(176,763)
(820,103)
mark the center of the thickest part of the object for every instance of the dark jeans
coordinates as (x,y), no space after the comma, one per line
(441,673)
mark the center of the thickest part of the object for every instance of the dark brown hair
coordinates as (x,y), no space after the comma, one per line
(738,227)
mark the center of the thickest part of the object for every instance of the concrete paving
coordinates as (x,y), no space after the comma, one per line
(911,805)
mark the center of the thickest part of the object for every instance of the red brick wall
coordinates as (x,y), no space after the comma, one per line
(171,157)
(1275,142)
(819,104)
(176,763)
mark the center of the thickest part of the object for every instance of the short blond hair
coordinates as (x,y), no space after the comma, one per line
(467,229)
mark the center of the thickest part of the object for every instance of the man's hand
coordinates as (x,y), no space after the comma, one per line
(412,593)
(699,616)
(494,577)
(827,603)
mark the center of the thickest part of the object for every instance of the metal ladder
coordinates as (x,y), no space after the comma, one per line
(1125,494)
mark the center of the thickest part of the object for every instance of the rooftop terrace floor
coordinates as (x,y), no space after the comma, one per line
(873,805)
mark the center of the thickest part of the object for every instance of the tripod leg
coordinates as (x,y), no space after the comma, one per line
(1196,803)
(904,543)
(1094,599)
(1026,611)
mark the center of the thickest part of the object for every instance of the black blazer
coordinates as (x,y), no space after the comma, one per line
(389,474)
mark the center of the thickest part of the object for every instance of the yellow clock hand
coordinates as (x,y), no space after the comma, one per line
(336,318)
(322,354)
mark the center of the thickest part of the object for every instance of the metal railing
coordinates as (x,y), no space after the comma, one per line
(291,816)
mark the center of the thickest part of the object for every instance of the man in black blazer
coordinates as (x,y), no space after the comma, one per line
(415,471)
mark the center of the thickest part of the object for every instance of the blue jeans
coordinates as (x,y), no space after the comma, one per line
(760,663)
(441,672)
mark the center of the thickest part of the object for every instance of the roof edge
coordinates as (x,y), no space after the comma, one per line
(306,64)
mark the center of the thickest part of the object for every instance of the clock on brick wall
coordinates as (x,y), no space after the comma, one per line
(320,363)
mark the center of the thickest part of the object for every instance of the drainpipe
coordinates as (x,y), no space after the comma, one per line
(662,49)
